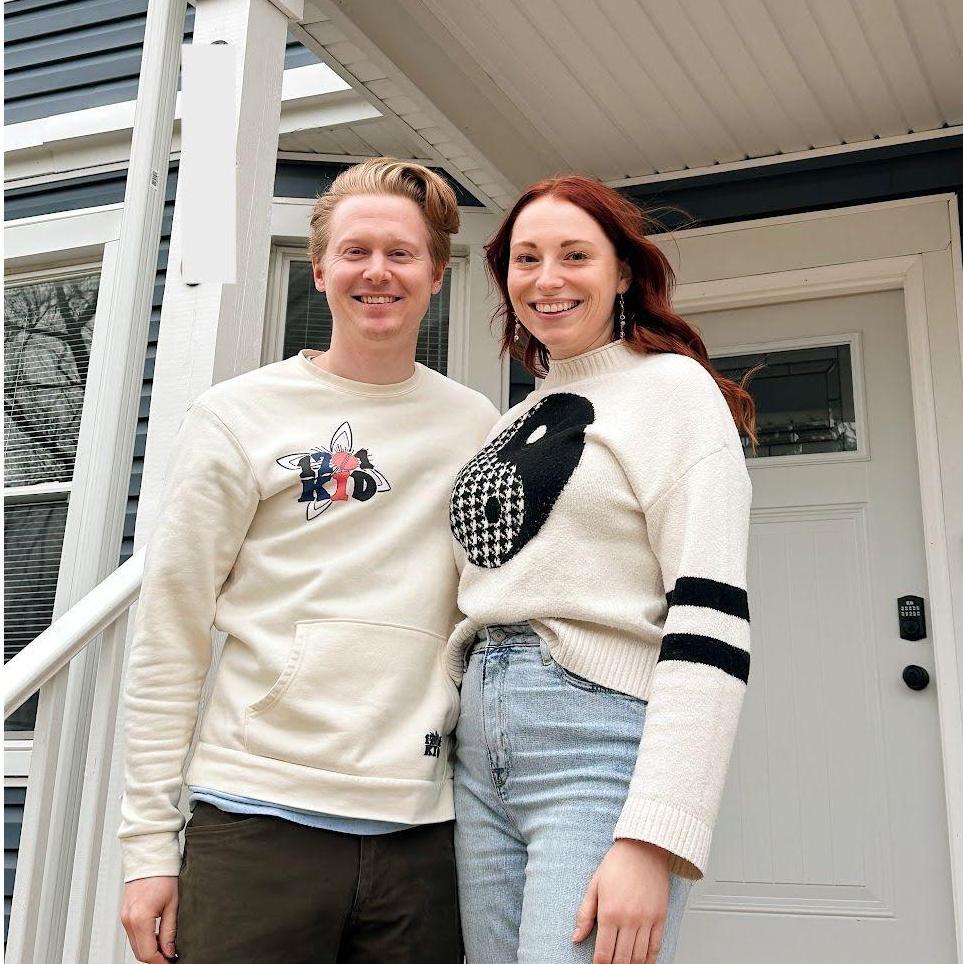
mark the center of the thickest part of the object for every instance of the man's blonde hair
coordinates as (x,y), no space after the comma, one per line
(388,175)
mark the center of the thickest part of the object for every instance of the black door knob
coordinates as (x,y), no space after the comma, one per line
(916,678)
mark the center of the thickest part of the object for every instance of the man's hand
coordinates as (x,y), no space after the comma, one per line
(144,901)
(629,895)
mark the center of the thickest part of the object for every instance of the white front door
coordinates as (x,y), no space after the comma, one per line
(832,846)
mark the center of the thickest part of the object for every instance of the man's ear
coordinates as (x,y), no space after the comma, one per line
(437,277)
(317,269)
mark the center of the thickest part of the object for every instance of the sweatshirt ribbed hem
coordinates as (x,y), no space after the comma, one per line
(322,791)
(685,837)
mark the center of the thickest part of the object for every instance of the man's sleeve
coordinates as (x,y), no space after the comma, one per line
(699,531)
(209,501)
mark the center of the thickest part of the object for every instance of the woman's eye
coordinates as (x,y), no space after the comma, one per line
(578,255)
(524,259)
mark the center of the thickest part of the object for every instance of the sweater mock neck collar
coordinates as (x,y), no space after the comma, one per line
(613,357)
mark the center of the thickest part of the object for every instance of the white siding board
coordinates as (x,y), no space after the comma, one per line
(939,56)
(952,11)
(720,35)
(574,32)
(366,71)
(777,62)
(548,95)
(384,88)
(683,40)
(346,52)
(706,134)
(886,34)
(844,34)
(817,63)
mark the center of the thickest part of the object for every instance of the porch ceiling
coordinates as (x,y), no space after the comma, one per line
(505,91)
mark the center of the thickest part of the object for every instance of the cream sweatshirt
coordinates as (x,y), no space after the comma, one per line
(305,516)
(611,509)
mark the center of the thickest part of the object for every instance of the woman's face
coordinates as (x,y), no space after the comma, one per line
(563,277)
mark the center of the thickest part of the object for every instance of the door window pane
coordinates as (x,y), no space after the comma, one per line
(307,319)
(48,328)
(34,535)
(804,399)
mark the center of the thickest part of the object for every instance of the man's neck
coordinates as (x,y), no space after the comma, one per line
(384,363)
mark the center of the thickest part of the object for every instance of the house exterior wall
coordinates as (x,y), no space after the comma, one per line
(61,57)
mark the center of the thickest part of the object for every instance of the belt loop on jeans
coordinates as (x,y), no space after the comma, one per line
(545,651)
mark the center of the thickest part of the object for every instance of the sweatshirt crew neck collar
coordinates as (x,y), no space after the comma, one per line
(351,387)
(613,357)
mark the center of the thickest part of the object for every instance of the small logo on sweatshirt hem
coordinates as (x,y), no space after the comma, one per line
(432,743)
(335,473)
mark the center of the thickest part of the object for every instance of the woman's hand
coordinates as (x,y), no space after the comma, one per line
(629,895)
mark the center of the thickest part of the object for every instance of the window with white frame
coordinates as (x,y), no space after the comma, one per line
(48,327)
(304,318)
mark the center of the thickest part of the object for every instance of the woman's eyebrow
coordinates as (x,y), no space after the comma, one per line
(531,244)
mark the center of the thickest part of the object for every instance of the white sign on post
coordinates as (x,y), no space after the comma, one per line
(208,171)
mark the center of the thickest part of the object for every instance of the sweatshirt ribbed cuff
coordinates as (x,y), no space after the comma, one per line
(685,837)
(151,855)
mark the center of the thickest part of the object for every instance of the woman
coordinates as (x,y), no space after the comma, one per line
(603,535)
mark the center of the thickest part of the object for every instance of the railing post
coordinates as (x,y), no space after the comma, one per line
(208,332)
(98,500)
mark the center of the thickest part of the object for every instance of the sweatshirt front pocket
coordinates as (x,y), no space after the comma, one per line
(359,698)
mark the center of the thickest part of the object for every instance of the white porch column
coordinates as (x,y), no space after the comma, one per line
(208,332)
(92,539)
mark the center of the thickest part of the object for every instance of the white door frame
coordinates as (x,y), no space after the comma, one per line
(930,280)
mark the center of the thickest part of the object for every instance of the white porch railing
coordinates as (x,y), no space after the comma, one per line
(56,646)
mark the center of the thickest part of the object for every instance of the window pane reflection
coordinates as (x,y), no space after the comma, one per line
(804,399)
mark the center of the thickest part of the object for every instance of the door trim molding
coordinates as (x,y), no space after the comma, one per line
(905,273)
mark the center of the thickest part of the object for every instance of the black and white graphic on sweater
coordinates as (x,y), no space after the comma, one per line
(337,473)
(504,495)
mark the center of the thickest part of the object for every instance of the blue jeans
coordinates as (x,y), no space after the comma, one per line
(543,768)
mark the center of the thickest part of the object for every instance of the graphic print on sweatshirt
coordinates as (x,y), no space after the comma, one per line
(504,495)
(337,473)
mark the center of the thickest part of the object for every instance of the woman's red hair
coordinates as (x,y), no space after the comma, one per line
(651,325)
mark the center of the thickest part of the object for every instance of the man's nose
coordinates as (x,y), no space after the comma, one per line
(378,270)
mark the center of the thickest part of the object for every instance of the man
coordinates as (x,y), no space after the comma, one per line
(305,516)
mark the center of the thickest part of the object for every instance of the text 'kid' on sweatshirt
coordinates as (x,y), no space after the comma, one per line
(611,510)
(305,516)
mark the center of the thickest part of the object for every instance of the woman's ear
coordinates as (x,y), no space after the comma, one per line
(625,278)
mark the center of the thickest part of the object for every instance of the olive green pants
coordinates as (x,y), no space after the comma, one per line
(263,889)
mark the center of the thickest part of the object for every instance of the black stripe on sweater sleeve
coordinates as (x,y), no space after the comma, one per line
(693,648)
(695,591)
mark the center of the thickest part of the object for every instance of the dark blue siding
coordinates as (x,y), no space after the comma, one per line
(67,55)
(13,798)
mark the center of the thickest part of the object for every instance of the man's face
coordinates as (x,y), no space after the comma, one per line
(377,272)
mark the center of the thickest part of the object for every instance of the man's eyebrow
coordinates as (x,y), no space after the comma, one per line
(351,239)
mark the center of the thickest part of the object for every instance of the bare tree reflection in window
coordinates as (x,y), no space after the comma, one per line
(47,338)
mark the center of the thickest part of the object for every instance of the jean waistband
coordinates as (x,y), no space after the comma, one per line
(509,634)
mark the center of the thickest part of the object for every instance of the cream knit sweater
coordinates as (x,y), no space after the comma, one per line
(611,509)
(305,516)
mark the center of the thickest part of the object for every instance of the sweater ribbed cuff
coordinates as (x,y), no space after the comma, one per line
(685,837)
(151,855)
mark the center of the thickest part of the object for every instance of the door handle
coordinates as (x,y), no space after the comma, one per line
(915,677)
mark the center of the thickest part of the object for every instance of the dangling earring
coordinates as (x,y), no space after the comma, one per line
(518,336)
(621,315)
